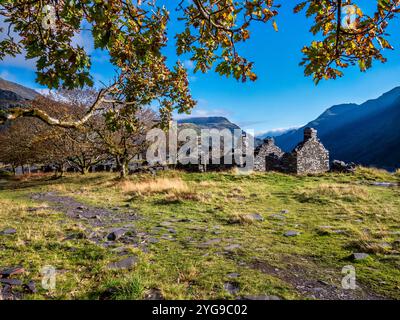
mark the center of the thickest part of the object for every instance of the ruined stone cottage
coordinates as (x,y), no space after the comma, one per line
(309,156)
(267,155)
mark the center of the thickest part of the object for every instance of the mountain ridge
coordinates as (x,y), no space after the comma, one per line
(365,133)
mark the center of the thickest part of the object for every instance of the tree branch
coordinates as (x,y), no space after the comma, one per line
(15,113)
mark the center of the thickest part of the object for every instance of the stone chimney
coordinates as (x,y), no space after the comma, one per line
(269,141)
(310,134)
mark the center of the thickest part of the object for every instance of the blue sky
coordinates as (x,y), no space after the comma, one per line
(281,97)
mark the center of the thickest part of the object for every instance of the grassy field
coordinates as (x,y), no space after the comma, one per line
(205,236)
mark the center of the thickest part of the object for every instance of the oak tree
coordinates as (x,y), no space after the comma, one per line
(134,33)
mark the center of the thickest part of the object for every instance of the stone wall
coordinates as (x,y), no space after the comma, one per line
(312,157)
(267,156)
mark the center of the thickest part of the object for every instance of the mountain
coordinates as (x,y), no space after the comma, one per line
(367,134)
(219,123)
(13,94)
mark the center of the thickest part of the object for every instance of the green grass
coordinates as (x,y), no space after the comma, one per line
(336,215)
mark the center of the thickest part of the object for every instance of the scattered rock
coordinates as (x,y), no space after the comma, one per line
(167,237)
(166,224)
(171,230)
(358,256)
(339,231)
(232,287)
(343,167)
(11,282)
(8,231)
(291,233)
(232,247)
(256,216)
(153,240)
(6,293)
(127,263)
(116,234)
(233,275)
(30,287)
(261,297)
(384,184)
(153,294)
(277,217)
(284,211)
(209,242)
(5,273)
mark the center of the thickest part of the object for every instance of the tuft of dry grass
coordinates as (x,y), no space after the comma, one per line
(174,189)
(334,191)
(374,174)
(242,218)
(370,241)
(154,186)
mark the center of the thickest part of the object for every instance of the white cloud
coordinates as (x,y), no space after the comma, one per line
(7,76)
(276,131)
(188,64)
(198,112)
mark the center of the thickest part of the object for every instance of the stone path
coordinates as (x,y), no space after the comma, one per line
(103,226)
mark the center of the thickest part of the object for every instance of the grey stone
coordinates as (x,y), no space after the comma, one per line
(343,167)
(166,224)
(153,294)
(261,297)
(210,242)
(233,275)
(31,287)
(277,217)
(12,271)
(116,234)
(291,233)
(284,211)
(8,231)
(256,216)
(231,287)
(11,282)
(127,263)
(232,247)
(385,184)
(153,240)
(358,256)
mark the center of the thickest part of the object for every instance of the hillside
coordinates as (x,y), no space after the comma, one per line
(199,123)
(367,134)
(12,94)
(203,236)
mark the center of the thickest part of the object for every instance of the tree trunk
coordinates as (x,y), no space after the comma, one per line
(124,169)
(84,170)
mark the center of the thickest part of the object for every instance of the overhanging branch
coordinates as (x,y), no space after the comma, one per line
(15,113)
